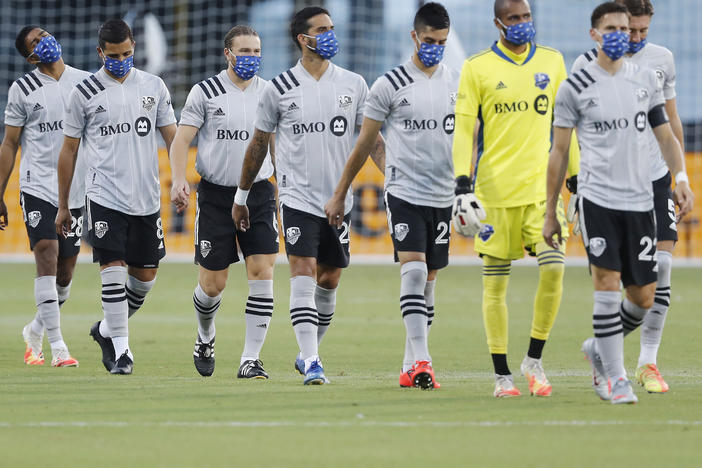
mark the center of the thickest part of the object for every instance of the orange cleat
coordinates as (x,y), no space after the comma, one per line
(504,387)
(423,376)
(63,359)
(33,355)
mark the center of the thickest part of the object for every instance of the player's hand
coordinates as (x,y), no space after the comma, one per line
(552,228)
(467,212)
(240,215)
(180,194)
(334,210)
(3,215)
(572,214)
(63,222)
(684,198)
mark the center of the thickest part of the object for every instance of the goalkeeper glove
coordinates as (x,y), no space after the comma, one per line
(572,211)
(467,211)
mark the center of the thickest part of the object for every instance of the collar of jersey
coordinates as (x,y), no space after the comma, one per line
(504,53)
(325,75)
(111,80)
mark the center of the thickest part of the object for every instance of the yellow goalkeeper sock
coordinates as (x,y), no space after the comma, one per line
(549,291)
(495,280)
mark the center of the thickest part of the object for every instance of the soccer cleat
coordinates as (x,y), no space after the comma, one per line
(423,376)
(204,357)
(600,383)
(315,374)
(62,358)
(406,380)
(622,392)
(299,365)
(650,379)
(504,387)
(533,370)
(252,369)
(33,355)
(108,350)
(124,365)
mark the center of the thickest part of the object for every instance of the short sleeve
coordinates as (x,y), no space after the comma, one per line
(15,112)
(362,99)
(468,98)
(267,116)
(579,63)
(193,113)
(379,100)
(565,112)
(669,78)
(74,116)
(164,112)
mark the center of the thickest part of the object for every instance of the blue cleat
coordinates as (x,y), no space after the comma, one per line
(315,374)
(299,365)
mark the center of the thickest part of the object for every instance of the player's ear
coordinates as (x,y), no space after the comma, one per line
(32,59)
(594,36)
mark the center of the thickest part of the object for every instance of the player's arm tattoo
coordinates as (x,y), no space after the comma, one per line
(377,154)
(255,154)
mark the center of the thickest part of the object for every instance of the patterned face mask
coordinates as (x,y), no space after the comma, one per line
(636,46)
(246,66)
(119,68)
(327,44)
(430,54)
(615,44)
(48,50)
(519,33)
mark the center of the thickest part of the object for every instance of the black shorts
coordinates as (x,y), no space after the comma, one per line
(664,206)
(215,232)
(114,235)
(307,235)
(623,241)
(39,217)
(418,228)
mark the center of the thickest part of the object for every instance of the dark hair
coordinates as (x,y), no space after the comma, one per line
(299,24)
(21,40)
(114,31)
(605,8)
(638,7)
(500,5)
(236,31)
(432,15)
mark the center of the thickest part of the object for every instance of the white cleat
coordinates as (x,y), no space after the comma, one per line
(600,383)
(622,393)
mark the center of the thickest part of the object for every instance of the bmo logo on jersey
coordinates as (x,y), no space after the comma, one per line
(236,135)
(45,127)
(142,127)
(337,126)
(609,125)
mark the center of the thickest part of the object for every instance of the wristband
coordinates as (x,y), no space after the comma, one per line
(240,196)
(681,177)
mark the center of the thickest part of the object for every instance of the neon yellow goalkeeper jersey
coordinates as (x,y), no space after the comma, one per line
(513,95)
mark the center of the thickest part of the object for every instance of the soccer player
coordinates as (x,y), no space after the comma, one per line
(221,110)
(660,59)
(34,119)
(115,113)
(314,108)
(416,101)
(612,102)
(511,88)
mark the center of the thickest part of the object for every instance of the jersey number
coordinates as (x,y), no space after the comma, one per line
(344,236)
(76,227)
(645,254)
(442,238)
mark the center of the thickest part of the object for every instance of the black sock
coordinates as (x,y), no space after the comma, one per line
(536,347)
(499,361)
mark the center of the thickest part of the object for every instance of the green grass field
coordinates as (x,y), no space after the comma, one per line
(165,414)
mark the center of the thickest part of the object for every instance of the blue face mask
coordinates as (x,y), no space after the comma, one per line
(327,45)
(519,33)
(615,44)
(48,50)
(430,54)
(636,46)
(246,66)
(119,68)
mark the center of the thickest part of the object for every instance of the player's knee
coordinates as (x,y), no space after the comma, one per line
(329,279)
(213,286)
(46,257)
(552,272)
(645,301)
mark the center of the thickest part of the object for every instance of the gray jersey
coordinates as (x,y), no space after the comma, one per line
(118,122)
(225,116)
(315,123)
(36,102)
(419,116)
(611,116)
(662,62)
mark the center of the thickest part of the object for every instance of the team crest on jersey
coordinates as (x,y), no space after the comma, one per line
(597,246)
(401,230)
(541,80)
(453,97)
(345,101)
(642,93)
(338,125)
(292,234)
(33,218)
(205,248)
(148,102)
(660,74)
(101,228)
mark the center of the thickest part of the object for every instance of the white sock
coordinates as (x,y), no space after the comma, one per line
(652,328)
(104,329)
(136,292)
(259,310)
(36,325)
(607,326)
(413,307)
(114,306)
(408,360)
(303,314)
(121,345)
(632,315)
(205,311)
(63,292)
(48,309)
(325,300)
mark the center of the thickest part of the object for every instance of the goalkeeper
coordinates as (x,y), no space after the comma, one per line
(510,88)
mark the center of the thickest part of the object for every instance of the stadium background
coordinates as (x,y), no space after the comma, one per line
(181,40)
